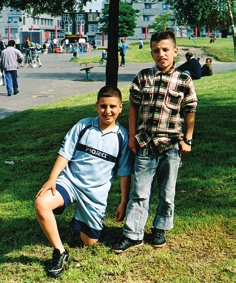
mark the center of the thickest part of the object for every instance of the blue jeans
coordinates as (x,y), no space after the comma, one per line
(165,165)
(11,81)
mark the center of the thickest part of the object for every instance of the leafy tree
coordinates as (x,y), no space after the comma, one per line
(161,22)
(37,7)
(201,13)
(127,19)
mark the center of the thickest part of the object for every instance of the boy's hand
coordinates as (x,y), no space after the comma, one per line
(184,148)
(49,185)
(120,213)
(132,144)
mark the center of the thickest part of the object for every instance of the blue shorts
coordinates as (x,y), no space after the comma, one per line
(76,224)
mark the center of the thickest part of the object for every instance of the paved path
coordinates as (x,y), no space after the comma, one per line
(58,79)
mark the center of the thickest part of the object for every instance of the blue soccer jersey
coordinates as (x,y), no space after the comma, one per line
(94,160)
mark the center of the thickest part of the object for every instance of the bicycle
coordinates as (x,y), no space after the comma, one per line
(104,57)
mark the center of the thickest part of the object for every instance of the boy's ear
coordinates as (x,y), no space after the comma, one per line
(121,106)
(96,105)
(176,50)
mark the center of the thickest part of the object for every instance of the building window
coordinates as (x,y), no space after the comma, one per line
(92,17)
(66,28)
(164,7)
(34,21)
(66,17)
(37,21)
(13,31)
(41,21)
(146,18)
(79,17)
(148,6)
(23,20)
(93,28)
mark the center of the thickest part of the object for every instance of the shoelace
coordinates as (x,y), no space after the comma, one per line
(55,258)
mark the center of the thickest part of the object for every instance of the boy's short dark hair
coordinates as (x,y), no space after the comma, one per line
(208,59)
(11,42)
(109,91)
(160,35)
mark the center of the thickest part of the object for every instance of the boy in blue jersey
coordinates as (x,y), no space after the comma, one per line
(93,151)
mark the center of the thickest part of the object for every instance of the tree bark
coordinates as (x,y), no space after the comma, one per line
(112,54)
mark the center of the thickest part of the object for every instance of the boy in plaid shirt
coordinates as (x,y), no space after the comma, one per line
(167,99)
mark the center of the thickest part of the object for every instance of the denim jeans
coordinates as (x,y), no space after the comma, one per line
(165,166)
(11,81)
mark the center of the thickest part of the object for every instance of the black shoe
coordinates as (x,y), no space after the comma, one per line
(16,92)
(158,238)
(9,94)
(125,244)
(59,263)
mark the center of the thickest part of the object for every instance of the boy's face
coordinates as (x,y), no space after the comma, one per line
(163,53)
(208,62)
(108,109)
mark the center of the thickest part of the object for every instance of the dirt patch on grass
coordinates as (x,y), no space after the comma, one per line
(197,53)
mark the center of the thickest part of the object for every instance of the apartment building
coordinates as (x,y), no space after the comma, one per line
(19,21)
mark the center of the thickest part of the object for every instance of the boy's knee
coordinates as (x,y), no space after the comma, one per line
(87,240)
(41,204)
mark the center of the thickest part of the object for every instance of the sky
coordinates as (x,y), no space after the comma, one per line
(95,5)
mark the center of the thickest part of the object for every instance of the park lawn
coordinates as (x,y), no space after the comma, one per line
(199,248)
(222,50)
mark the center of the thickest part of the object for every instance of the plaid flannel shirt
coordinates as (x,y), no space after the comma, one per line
(163,97)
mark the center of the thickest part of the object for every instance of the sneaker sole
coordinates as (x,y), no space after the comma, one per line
(59,272)
(120,251)
(159,246)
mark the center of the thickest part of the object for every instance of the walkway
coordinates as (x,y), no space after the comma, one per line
(58,79)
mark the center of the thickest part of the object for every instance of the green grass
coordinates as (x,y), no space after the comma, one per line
(199,248)
(222,50)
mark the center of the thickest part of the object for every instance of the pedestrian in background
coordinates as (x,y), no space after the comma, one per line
(2,45)
(122,47)
(191,67)
(10,59)
(140,44)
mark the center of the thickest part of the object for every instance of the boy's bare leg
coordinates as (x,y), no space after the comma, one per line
(87,240)
(44,207)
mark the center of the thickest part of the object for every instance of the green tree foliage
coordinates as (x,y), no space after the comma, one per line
(37,7)
(161,22)
(201,13)
(127,20)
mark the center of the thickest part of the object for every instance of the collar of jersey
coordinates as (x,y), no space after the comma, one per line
(114,130)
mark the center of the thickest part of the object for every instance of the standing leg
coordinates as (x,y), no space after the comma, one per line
(138,206)
(15,82)
(8,79)
(167,175)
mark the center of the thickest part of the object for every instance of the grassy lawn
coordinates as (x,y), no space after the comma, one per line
(222,50)
(199,248)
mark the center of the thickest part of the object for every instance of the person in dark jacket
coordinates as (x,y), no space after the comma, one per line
(207,68)
(2,45)
(191,67)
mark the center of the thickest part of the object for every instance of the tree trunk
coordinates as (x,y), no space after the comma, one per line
(112,54)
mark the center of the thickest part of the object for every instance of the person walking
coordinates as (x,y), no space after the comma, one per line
(2,45)
(122,47)
(10,59)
